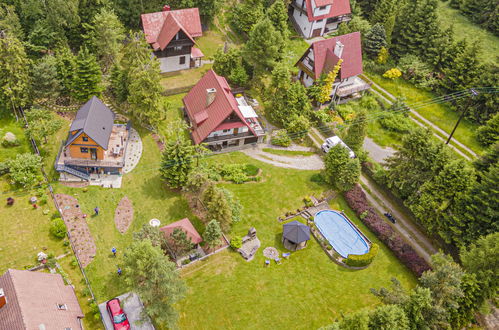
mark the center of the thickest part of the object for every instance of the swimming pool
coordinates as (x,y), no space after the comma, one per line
(340,233)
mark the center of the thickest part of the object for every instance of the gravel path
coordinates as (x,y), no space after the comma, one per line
(133,151)
(377,153)
(313,162)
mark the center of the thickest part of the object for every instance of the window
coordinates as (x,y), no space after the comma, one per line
(84,150)
(319,21)
(62,307)
(85,139)
(181,60)
(177,48)
(225,130)
(322,8)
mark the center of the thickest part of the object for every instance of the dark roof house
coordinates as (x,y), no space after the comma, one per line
(94,119)
(295,235)
(36,300)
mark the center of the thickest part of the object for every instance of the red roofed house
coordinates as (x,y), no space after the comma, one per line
(218,118)
(171,35)
(313,18)
(186,226)
(321,57)
(36,300)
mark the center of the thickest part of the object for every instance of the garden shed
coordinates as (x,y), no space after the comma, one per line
(295,235)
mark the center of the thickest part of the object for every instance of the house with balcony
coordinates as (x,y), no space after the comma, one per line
(95,145)
(218,118)
(322,56)
(171,34)
(314,18)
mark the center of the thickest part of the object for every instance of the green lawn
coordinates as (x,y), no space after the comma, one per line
(210,42)
(305,292)
(439,114)
(288,152)
(464,28)
(183,79)
(8,124)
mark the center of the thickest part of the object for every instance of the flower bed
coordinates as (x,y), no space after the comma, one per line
(357,200)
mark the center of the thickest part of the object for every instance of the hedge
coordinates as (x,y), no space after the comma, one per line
(357,200)
(362,260)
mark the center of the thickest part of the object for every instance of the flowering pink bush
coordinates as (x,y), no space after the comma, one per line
(356,199)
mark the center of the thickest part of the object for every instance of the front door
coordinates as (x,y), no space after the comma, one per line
(93,153)
(316,33)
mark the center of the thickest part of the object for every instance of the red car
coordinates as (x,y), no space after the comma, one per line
(117,315)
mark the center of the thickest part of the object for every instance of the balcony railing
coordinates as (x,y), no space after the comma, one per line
(227,137)
(93,163)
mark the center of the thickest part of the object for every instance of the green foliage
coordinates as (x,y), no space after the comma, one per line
(357,130)
(42,124)
(212,234)
(236,242)
(208,9)
(383,55)
(9,140)
(129,11)
(392,73)
(251,170)
(363,260)
(105,35)
(297,126)
(321,90)
(176,162)
(24,170)
(180,242)
(388,317)
(66,70)
(395,122)
(58,228)
(45,81)
(149,273)
(153,234)
(9,21)
(14,75)
(417,71)
(375,40)
(264,47)
(244,16)
(278,15)
(342,172)
(197,180)
(488,134)
(357,23)
(88,76)
(230,65)
(215,200)
(482,12)
(465,69)
(281,138)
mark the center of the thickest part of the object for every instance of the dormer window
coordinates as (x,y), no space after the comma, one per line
(62,307)
(85,139)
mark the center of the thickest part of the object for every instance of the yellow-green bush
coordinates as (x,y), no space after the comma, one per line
(362,260)
(392,73)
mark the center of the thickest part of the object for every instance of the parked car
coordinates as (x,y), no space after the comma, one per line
(117,315)
(334,140)
(390,217)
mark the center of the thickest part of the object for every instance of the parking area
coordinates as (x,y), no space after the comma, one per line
(132,306)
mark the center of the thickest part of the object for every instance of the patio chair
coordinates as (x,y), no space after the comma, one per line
(267,262)
(286,255)
(278,261)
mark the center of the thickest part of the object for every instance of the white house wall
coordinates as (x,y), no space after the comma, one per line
(303,23)
(171,63)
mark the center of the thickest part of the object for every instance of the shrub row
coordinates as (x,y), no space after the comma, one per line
(357,200)
(362,260)
(237,173)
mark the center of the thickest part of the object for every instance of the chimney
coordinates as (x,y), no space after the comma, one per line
(3,298)
(338,49)
(210,96)
(166,8)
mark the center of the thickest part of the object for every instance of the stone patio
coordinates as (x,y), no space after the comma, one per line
(133,151)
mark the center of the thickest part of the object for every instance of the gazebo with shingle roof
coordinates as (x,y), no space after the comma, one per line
(295,235)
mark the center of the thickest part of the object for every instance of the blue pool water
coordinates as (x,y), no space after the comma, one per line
(340,233)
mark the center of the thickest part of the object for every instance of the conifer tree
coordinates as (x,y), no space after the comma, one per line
(465,69)
(45,82)
(264,47)
(176,162)
(384,10)
(375,40)
(14,75)
(278,15)
(66,70)
(357,130)
(212,234)
(88,76)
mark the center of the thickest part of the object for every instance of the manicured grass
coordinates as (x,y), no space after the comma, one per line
(288,152)
(150,198)
(382,136)
(295,49)
(175,113)
(8,124)
(210,42)
(49,150)
(183,78)
(305,292)
(439,114)
(464,28)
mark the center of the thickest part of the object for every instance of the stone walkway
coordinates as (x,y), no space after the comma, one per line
(313,162)
(77,227)
(133,151)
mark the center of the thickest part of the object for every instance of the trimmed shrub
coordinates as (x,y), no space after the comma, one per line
(236,242)
(362,260)
(58,228)
(308,201)
(357,200)
(317,178)
(251,170)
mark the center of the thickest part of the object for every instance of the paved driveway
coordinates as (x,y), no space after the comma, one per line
(132,307)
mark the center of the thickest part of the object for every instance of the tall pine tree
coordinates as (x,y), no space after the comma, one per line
(88,76)
(278,15)
(374,40)
(264,47)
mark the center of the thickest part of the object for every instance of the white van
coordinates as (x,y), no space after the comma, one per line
(334,140)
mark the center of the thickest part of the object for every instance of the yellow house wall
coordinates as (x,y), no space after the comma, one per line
(74,148)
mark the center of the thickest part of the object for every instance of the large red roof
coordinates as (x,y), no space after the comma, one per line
(186,226)
(161,27)
(324,58)
(338,8)
(207,119)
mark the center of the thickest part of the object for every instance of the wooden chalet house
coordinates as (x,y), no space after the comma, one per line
(218,118)
(95,145)
(171,35)
(321,57)
(314,18)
